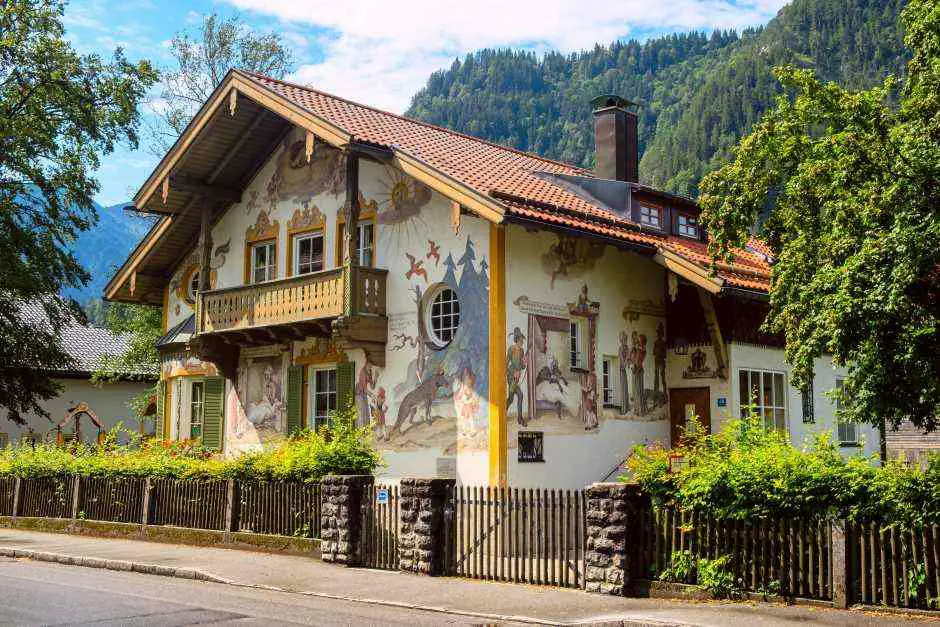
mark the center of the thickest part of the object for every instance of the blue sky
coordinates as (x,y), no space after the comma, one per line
(378,51)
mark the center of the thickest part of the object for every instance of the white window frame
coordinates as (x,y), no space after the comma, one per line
(318,419)
(453,318)
(691,227)
(646,215)
(846,431)
(365,253)
(775,377)
(270,268)
(300,238)
(608,387)
(197,407)
(576,344)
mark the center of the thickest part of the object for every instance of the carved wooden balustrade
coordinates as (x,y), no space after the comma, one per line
(314,296)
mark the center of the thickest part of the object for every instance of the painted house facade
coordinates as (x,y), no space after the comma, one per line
(494,316)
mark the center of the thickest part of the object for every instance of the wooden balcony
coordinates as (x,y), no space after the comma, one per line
(316,297)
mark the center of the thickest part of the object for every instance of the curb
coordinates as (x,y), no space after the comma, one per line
(198,575)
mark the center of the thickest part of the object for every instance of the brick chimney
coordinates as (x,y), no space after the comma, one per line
(616,151)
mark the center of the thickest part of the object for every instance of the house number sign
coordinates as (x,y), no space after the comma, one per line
(381,497)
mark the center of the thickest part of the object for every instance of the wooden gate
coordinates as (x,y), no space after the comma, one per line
(520,535)
(380,527)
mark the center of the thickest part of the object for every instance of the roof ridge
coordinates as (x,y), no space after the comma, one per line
(414,121)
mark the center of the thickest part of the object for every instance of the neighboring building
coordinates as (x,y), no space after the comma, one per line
(502,317)
(105,403)
(912,444)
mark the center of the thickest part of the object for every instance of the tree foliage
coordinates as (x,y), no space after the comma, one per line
(698,93)
(848,181)
(200,61)
(59,111)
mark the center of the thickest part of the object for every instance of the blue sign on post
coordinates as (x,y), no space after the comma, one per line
(381,497)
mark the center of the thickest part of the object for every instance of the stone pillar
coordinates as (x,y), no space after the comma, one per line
(343,501)
(425,536)
(841,575)
(611,509)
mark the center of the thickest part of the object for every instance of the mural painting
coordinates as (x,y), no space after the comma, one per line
(398,209)
(571,257)
(259,410)
(698,366)
(294,178)
(640,360)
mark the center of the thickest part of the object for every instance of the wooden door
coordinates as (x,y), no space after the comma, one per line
(685,403)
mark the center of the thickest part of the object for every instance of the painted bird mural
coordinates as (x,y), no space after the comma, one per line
(435,252)
(416,268)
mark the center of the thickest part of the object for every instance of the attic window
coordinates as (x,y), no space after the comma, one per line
(687,226)
(651,216)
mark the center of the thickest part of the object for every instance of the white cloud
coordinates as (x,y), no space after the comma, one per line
(381,52)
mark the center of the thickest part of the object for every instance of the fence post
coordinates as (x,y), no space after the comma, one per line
(17,497)
(611,509)
(343,511)
(145,507)
(229,510)
(76,492)
(841,565)
(423,546)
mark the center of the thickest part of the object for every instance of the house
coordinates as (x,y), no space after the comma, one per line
(496,316)
(83,409)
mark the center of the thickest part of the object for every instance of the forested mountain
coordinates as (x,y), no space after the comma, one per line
(698,94)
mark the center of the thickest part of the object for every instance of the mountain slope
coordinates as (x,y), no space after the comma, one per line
(698,94)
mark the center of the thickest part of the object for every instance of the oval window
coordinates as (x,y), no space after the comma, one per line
(443,316)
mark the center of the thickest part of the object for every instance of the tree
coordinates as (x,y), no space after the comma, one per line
(143,325)
(851,186)
(59,112)
(200,62)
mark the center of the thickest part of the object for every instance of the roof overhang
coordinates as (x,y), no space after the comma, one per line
(688,270)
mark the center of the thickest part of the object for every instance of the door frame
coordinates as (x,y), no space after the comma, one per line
(707,422)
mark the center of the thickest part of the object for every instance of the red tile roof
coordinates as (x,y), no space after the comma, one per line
(505,174)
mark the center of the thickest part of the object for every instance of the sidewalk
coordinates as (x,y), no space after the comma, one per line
(493,601)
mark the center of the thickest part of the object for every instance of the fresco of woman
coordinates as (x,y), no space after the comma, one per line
(589,400)
(265,412)
(515,368)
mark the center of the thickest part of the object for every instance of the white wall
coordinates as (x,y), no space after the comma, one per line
(749,356)
(108,401)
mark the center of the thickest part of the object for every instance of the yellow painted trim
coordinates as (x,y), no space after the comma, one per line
(249,245)
(498,425)
(688,270)
(450,187)
(167,410)
(367,218)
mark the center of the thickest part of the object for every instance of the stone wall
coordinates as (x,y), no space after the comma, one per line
(423,542)
(610,508)
(342,506)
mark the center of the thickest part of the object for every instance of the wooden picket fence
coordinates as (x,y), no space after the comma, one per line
(7,491)
(895,567)
(47,497)
(190,503)
(520,535)
(280,508)
(792,556)
(111,499)
(381,527)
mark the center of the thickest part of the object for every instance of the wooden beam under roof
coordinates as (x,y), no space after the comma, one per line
(204,188)
(237,146)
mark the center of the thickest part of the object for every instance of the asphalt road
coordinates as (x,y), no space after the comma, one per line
(39,593)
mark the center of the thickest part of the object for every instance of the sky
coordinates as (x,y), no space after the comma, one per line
(381,52)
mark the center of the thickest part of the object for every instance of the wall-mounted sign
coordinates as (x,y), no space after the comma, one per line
(381,497)
(677,462)
(722,401)
(447,467)
(531,446)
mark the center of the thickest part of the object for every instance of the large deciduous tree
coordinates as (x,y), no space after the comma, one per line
(59,111)
(201,59)
(849,183)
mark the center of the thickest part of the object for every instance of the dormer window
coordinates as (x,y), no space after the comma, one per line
(651,216)
(687,226)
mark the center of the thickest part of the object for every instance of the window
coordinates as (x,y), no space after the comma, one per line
(263,262)
(608,392)
(308,253)
(688,225)
(808,412)
(444,316)
(531,446)
(577,355)
(651,216)
(766,392)
(365,243)
(197,404)
(193,287)
(847,431)
(324,396)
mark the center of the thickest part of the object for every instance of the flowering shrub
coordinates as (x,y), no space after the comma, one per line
(306,456)
(745,471)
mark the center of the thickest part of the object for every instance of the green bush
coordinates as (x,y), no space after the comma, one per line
(747,472)
(306,456)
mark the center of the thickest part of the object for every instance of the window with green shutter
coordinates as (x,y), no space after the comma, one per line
(345,384)
(295,398)
(213,412)
(159,419)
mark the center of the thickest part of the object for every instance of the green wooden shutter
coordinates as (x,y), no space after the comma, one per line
(295,398)
(160,418)
(213,412)
(345,384)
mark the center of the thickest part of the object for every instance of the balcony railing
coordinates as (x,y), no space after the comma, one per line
(315,296)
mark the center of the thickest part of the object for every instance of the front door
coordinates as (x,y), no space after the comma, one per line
(684,403)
